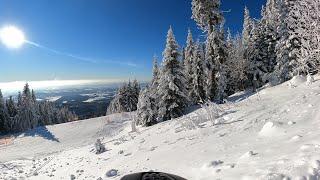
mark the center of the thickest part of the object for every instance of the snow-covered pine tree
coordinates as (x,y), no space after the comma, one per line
(211,68)
(260,50)
(293,28)
(207,14)
(134,95)
(4,118)
(247,42)
(118,103)
(229,50)
(45,113)
(269,27)
(306,27)
(33,96)
(222,85)
(216,56)
(12,113)
(26,113)
(136,88)
(197,93)
(26,93)
(147,107)
(155,73)
(189,61)
(258,63)
(220,59)
(209,18)
(147,110)
(183,52)
(126,98)
(237,66)
(229,39)
(172,88)
(63,115)
(19,99)
(247,26)
(11,107)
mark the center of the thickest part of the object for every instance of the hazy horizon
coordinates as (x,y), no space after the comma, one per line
(16,86)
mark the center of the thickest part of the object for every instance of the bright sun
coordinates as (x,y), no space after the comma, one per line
(12,37)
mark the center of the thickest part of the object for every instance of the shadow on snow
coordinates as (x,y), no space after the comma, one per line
(41,132)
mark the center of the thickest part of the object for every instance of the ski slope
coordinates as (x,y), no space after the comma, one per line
(273,135)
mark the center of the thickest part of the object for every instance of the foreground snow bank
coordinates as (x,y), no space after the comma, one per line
(271,135)
(270,129)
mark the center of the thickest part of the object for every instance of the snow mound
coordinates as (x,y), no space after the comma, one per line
(270,130)
(297,80)
(248,155)
(290,123)
(296,138)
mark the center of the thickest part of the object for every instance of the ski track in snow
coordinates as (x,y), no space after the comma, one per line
(271,135)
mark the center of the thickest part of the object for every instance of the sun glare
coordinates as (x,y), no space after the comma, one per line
(12,37)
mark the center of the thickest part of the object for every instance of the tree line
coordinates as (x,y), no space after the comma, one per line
(27,113)
(126,98)
(282,44)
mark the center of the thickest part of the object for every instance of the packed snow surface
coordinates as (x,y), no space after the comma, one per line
(273,134)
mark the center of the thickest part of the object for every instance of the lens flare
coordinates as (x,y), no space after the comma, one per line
(12,37)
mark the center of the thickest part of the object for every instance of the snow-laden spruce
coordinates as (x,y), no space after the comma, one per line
(172,91)
(236,66)
(147,107)
(247,26)
(3,114)
(207,14)
(298,49)
(209,18)
(188,60)
(197,92)
(126,98)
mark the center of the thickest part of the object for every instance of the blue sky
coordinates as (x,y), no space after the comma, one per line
(121,36)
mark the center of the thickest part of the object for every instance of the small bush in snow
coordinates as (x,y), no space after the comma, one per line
(213,111)
(215,163)
(310,79)
(191,122)
(99,147)
(133,123)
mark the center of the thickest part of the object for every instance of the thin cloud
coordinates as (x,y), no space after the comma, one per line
(84,59)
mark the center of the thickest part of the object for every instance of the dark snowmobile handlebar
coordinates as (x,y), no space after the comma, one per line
(151,176)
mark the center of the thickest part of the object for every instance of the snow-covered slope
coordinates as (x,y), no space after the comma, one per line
(51,139)
(274,134)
